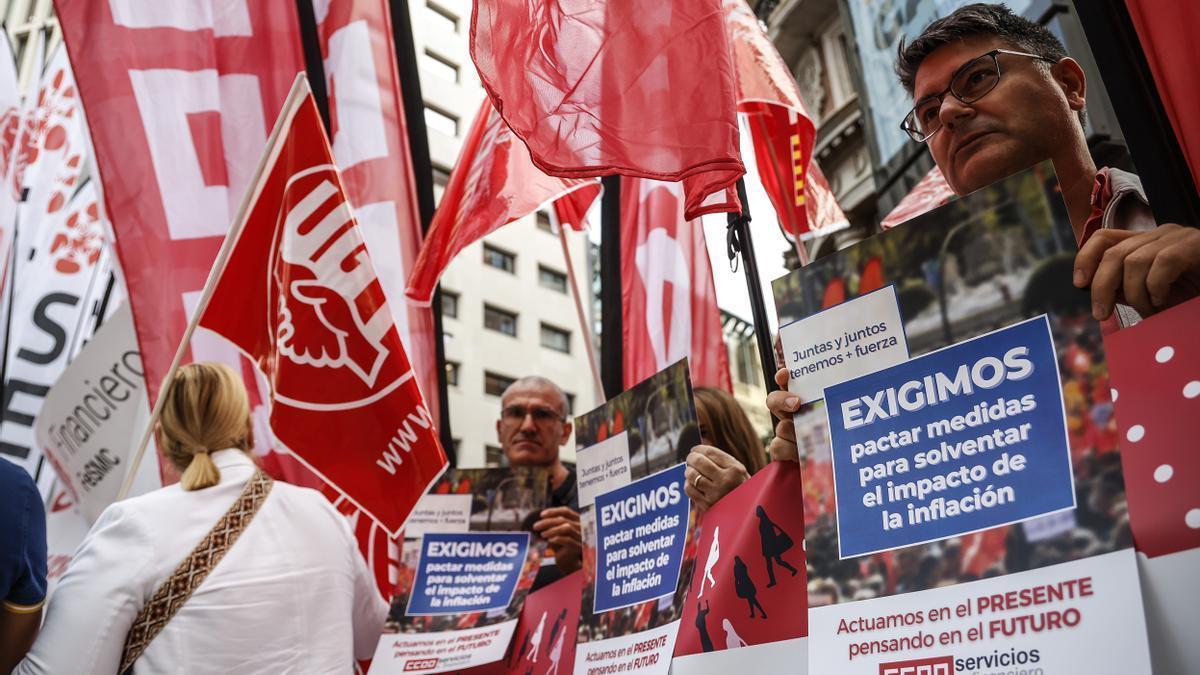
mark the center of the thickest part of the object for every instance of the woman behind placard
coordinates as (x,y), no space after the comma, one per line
(290,594)
(729,451)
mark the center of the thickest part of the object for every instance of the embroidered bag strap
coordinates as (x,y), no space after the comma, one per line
(172,593)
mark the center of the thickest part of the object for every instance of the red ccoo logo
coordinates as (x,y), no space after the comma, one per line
(419,664)
(936,665)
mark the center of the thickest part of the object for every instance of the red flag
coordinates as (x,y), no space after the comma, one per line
(493,184)
(931,192)
(370,143)
(296,292)
(781,129)
(636,87)
(179,100)
(668,298)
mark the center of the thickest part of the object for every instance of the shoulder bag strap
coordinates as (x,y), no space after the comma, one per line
(190,573)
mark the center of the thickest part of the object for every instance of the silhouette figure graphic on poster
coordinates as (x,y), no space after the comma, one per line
(558,623)
(744,586)
(556,654)
(714,554)
(535,643)
(702,627)
(775,542)
(732,639)
(524,646)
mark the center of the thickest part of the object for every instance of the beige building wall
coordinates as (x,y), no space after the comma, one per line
(450,87)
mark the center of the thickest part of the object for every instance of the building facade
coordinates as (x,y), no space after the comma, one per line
(507,307)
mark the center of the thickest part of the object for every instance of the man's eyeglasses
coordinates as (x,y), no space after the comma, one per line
(971,82)
(516,414)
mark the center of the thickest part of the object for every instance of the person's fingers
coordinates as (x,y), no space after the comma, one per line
(1089,255)
(1106,282)
(561,512)
(1133,276)
(705,466)
(786,430)
(717,456)
(1182,254)
(780,449)
(783,404)
(565,530)
(781,377)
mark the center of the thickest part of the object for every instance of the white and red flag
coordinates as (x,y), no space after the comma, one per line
(929,193)
(633,87)
(295,290)
(668,298)
(493,183)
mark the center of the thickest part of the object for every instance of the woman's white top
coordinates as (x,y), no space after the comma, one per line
(292,595)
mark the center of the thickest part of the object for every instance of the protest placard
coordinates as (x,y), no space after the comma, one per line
(465,571)
(741,609)
(964,509)
(638,534)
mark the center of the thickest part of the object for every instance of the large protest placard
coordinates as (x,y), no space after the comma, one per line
(93,417)
(639,548)
(965,508)
(1156,389)
(465,570)
(743,608)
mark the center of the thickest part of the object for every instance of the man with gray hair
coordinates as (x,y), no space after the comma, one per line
(533,425)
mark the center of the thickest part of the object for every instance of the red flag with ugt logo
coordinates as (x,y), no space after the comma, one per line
(668,298)
(298,294)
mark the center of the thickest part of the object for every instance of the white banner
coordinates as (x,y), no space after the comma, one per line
(1083,616)
(94,416)
(442,651)
(65,280)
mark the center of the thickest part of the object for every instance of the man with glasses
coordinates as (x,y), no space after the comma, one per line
(533,425)
(995,93)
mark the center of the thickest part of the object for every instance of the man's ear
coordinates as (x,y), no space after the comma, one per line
(1068,74)
(568,426)
(498,438)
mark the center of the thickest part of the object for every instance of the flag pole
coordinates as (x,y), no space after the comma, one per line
(738,240)
(612,331)
(584,327)
(299,90)
(422,166)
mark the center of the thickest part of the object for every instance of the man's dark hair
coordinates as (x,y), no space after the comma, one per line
(978,19)
(971,20)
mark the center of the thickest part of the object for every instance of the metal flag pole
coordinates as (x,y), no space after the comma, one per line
(612,332)
(738,240)
(581,311)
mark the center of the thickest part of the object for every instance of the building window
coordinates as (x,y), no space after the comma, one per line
(543,222)
(552,279)
(441,176)
(556,338)
(441,16)
(494,385)
(501,260)
(570,403)
(452,373)
(499,320)
(441,121)
(450,304)
(493,457)
(440,66)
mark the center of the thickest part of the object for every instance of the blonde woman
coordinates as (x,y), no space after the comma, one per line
(288,593)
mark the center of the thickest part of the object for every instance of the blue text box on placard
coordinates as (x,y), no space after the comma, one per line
(963,439)
(640,532)
(467,572)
